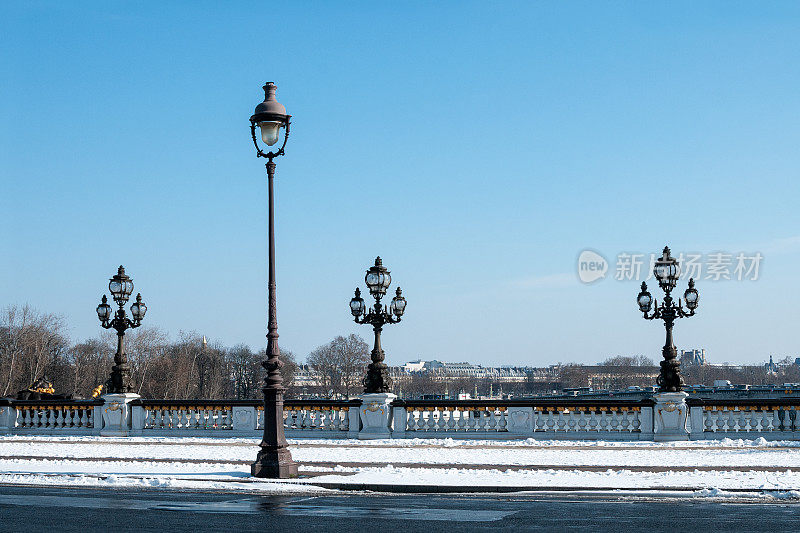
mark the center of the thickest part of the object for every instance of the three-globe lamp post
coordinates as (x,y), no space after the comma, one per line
(378,279)
(121,288)
(667,270)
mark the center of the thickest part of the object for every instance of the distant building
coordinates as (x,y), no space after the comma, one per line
(693,357)
(771,367)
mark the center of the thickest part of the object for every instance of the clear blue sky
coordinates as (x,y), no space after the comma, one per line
(477,147)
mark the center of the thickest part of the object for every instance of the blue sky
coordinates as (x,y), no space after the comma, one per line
(477,147)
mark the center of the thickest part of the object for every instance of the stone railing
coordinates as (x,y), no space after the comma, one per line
(301,418)
(50,416)
(594,419)
(554,419)
(772,419)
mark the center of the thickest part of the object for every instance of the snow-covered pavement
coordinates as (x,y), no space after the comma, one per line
(223,464)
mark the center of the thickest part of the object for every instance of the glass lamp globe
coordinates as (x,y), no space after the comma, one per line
(690,296)
(104,310)
(378,279)
(357,304)
(120,286)
(270,131)
(398,305)
(138,309)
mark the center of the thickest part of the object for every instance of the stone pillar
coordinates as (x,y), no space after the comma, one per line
(399,421)
(137,419)
(117,418)
(8,418)
(244,419)
(696,422)
(375,414)
(520,420)
(353,421)
(646,421)
(670,416)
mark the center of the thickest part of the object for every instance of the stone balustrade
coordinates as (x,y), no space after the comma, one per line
(50,416)
(558,419)
(771,419)
(478,419)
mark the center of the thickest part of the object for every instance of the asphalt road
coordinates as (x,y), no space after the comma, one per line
(85,510)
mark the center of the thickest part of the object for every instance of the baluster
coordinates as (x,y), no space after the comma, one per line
(492,414)
(462,421)
(472,422)
(561,419)
(411,419)
(60,418)
(451,421)
(614,422)
(582,420)
(539,420)
(551,423)
(430,420)
(626,421)
(572,419)
(36,418)
(26,418)
(708,420)
(227,418)
(603,420)
(158,422)
(637,420)
(85,417)
(502,425)
(769,418)
(593,419)
(69,415)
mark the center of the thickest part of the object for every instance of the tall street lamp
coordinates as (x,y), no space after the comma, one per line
(667,270)
(121,287)
(378,280)
(274,459)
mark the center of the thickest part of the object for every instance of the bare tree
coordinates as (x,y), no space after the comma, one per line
(341,364)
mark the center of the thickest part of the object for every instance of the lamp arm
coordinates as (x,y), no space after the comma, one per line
(682,312)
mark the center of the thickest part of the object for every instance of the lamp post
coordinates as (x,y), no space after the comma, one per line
(667,271)
(274,459)
(378,280)
(121,287)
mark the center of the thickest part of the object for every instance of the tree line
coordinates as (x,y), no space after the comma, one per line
(36,345)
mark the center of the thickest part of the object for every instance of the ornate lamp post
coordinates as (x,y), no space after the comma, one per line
(378,280)
(274,459)
(667,271)
(121,287)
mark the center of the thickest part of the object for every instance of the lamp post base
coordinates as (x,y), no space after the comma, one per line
(670,414)
(375,413)
(275,463)
(117,414)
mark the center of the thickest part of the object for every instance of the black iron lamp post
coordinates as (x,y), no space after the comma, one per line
(274,458)
(667,271)
(121,287)
(378,280)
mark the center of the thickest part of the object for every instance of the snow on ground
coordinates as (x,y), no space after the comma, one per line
(223,464)
(427,451)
